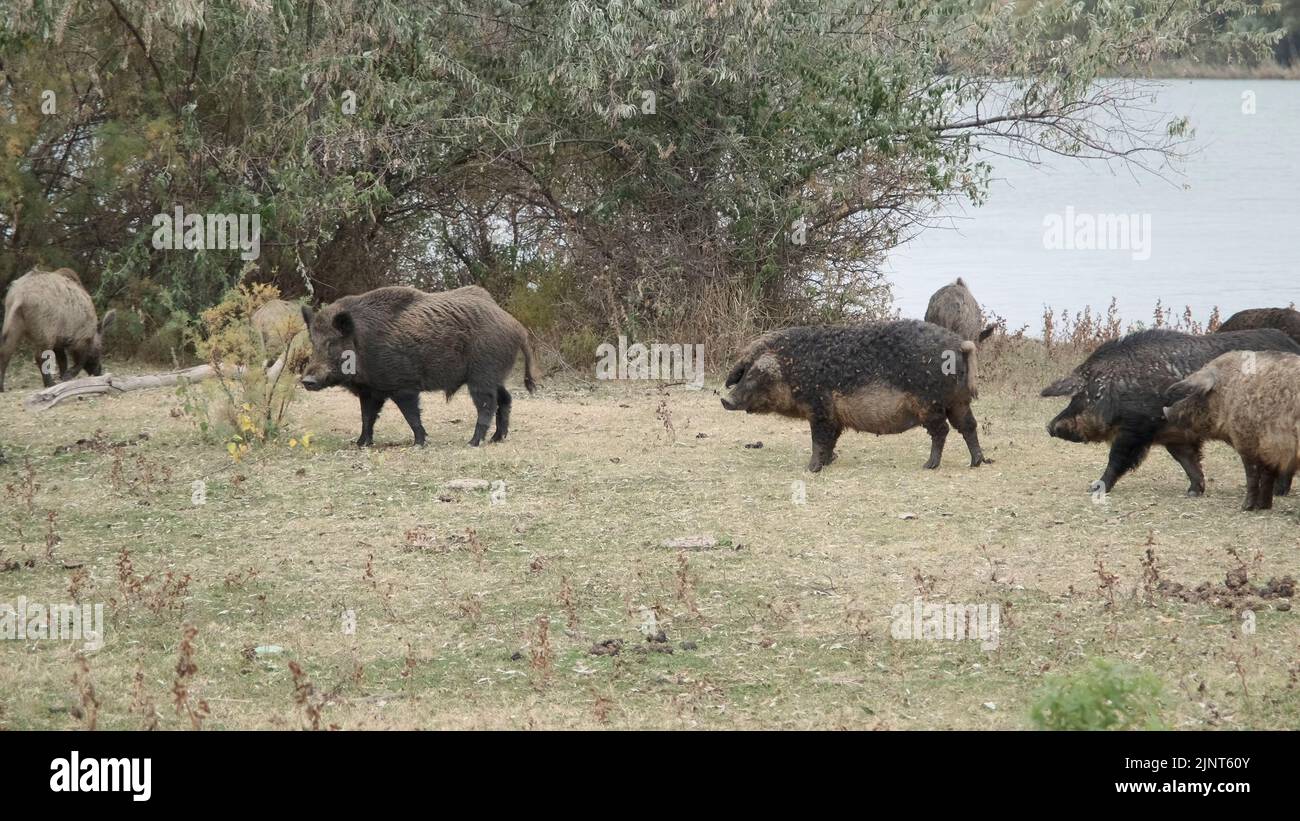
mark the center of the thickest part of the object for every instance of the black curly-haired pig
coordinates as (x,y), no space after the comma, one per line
(874,377)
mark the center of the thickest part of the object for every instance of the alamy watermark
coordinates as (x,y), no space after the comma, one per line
(33,621)
(182,231)
(1072,231)
(654,361)
(947,622)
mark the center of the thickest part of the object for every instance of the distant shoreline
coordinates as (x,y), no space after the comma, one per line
(1192,70)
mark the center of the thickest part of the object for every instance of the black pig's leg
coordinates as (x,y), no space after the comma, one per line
(1126,452)
(1252,483)
(964,421)
(503,414)
(485,401)
(937,427)
(409,405)
(371,403)
(825,433)
(1189,456)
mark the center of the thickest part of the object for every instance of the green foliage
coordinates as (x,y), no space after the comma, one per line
(656,154)
(1106,695)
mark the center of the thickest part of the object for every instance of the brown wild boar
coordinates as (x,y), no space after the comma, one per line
(394,342)
(1251,400)
(875,377)
(51,311)
(954,307)
(280,328)
(1286,320)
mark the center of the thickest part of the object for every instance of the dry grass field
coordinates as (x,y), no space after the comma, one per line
(480,612)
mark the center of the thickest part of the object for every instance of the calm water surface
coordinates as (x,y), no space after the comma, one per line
(1224,234)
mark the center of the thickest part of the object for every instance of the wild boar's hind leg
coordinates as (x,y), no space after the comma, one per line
(825,433)
(964,421)
(371,403)
(937,427)
(61,357)
(409,405)
(503,414)
(485,401)
(1189,456)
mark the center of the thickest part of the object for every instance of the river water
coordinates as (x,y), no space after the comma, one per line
(1224,233)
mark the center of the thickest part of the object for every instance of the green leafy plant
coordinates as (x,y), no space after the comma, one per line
(1106,695)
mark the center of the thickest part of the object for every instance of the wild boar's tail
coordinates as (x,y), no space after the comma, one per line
(968,356)
(530,374)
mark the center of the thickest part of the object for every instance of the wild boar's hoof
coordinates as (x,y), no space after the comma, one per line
(497,437)
(980,460)
(1096,485)
(1195,493)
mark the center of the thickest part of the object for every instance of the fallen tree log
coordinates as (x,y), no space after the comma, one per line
(111,385)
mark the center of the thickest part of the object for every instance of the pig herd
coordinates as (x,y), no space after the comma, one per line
(1239,385)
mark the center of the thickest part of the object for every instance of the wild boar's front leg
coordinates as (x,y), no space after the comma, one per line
(1282,486)
(825,433)
(1264,493)
(1126,452)
(371,403)
(1189,456)
(1252,482)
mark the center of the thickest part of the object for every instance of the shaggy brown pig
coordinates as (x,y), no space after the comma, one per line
(51,311)
(394,342)
(875,377)
(1251,400)
(954,307)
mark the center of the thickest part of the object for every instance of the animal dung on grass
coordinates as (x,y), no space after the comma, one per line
(874,377)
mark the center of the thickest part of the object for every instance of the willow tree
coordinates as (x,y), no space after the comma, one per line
(670,164)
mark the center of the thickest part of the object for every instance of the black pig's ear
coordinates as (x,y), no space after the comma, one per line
(343,323)
(307,314)
(1063,387)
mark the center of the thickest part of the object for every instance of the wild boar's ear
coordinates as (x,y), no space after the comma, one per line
(1198,384)
(307,315)
(343,323)
(107,321)
(1063,387)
